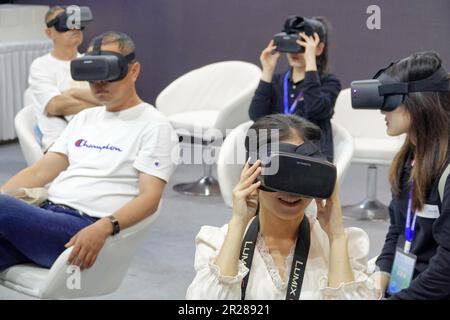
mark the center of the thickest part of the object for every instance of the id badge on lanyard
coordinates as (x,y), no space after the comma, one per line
(404,262)
(289,109)
(402,271)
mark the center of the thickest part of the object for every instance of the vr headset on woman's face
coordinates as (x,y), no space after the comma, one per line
(98,65)
(63,21)
(386,93)
(302,170)
(286,41)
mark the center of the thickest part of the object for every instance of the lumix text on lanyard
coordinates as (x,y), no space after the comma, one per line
(298,264)
(289,109)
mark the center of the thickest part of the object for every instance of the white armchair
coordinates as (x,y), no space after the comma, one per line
(206,102)
(25,122)
(372,147)
(60,282)
(231,161)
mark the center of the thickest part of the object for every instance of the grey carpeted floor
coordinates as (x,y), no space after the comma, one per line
(163,267)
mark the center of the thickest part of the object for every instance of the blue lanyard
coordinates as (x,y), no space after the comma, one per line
(291,109)
(409,228)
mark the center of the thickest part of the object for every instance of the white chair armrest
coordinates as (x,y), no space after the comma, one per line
(106,274)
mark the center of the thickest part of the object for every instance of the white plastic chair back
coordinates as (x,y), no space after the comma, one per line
(61,282)
(231,160)
(343,149)
(223,90)
(368,129)
(25,122)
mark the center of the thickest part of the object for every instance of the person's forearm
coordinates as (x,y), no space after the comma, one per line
(133,212)
(267,75)
(261,103)
(311,64)
(76,107)
(381,282)
(385,259)
(64,105)
(27,178)
(319,96)
(39,174)
(84,95)
(340,270)
(228,258)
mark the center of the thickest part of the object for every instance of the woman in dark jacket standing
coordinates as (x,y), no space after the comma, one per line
(420,219)
(306,89)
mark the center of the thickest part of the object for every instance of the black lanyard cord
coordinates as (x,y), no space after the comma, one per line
(298,264)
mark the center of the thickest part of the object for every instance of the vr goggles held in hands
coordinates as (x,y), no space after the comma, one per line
(286,41)
(98,65)
(67,20)
(302,170)
(386,93)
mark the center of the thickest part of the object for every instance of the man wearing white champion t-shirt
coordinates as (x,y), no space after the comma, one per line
(53,94)
(107,170)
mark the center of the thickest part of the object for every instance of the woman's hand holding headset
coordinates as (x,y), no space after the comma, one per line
(245,194)
(330,219)
(269,58)
(245,203)
(330,215)
(310,44)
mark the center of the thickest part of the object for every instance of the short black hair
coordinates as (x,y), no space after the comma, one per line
(285,126)
(52,13)
(123,41)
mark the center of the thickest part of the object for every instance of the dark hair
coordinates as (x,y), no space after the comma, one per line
(322,60)
(52,13)
(286,126)
(429,131)
(123,41)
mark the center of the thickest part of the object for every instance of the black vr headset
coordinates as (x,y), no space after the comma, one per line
(302,170)
(62,23)
(286,41)
(386,93)
(98,65)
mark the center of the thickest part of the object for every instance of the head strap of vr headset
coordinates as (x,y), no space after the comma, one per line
(439,81)
(55,20)
(97,50)
(292,25)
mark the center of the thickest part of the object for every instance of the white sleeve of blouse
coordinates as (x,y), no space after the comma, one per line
(363,288)
(208,283)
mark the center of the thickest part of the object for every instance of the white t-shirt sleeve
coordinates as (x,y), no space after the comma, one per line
(61,145)
(159,152)
(42,84)
(363,286)
(209,283)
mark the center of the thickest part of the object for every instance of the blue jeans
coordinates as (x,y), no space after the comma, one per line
(29,234)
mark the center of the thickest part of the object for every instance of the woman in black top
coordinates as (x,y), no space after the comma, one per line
(415,174)
(311,91)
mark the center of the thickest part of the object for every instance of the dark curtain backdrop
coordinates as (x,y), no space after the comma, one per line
(175,36)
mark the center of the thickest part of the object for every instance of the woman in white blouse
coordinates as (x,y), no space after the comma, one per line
(337,259)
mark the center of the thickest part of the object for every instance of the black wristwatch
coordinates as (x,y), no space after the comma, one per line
(115,225)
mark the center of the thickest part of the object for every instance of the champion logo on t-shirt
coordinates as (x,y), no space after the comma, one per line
(81,143)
